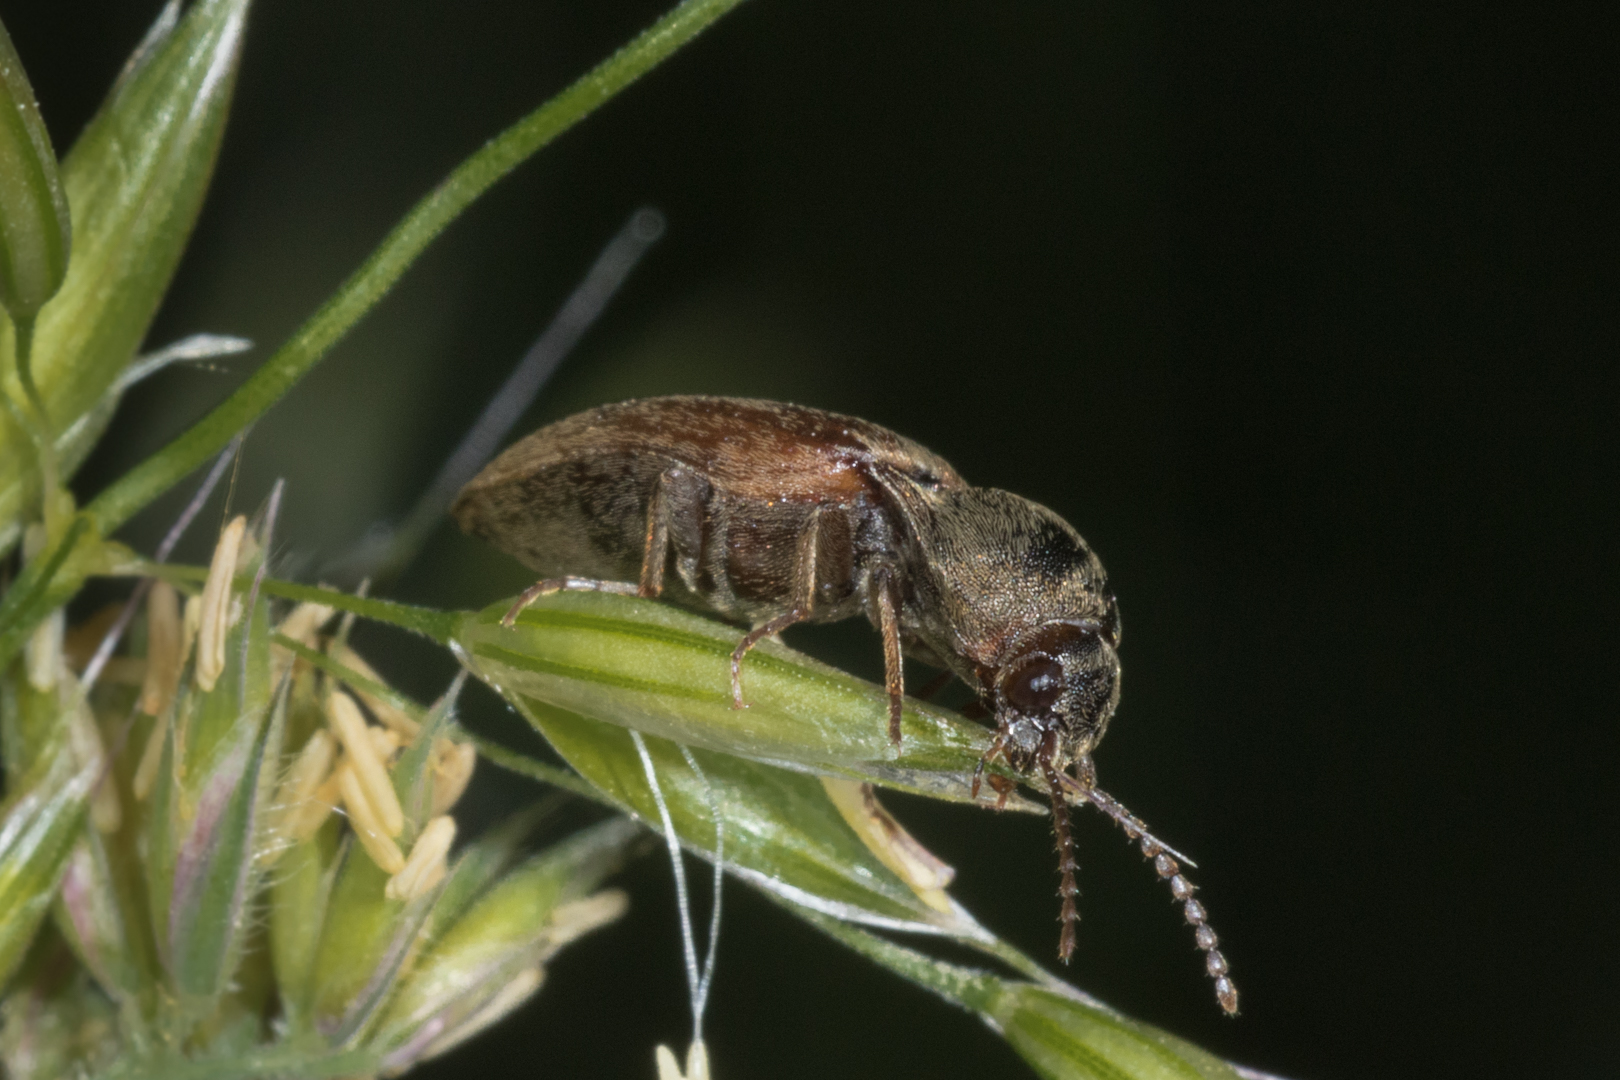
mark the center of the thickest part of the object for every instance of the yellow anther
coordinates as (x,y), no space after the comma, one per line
(922,871)
(302,622)
(300,625)
(190,621)
(363,818)
(43,654)
(453,764)
(697,1063)
(388,715)
(214,619)
(298,813)
(152,757)
(319,806)
(350,728)
(426,866)
(384,741)
(579,917)
(164,660)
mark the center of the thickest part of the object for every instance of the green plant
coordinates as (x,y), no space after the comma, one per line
(158,799)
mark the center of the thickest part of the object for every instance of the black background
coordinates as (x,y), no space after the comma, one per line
(1293,310)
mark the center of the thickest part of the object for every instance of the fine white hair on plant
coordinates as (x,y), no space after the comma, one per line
(698,979)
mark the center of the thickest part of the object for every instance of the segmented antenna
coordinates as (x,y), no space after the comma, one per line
(1067,889)
(1166,866)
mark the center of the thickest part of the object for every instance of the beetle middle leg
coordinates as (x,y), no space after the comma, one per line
(804,598)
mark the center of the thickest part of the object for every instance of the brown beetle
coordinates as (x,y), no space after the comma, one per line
(772,514)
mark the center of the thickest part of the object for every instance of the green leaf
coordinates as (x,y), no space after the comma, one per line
(649,666)
(782,833)
(206,814)
(213,879)
(91,913)
(135,181)
(1062,1033)
(413,772)
(38,824)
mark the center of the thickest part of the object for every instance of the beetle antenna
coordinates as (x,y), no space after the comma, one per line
(1067,889)
(1166,865)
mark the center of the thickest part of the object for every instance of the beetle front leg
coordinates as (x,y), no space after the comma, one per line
(894,678)
(997,743)
(1002,786)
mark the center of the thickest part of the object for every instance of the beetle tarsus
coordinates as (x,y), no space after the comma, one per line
(752,638)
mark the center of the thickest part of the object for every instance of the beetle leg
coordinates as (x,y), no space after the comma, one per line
(752,638)
(656,547)
(563,584)
(804,597)
(894,679)
(997,743)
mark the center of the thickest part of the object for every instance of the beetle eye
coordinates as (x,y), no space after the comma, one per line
(1035,686)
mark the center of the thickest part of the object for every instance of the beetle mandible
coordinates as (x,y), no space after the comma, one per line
(773,514)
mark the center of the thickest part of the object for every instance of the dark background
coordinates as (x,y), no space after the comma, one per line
(1291,309)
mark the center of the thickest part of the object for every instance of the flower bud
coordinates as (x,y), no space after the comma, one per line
(208,807)
(35,231)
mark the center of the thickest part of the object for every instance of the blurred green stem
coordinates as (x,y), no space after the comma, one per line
(21,610)
(368,284)
(40,431)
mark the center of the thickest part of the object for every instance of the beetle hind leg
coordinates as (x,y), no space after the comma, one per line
(563,584)
(672,486)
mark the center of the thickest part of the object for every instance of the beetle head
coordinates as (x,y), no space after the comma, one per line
(1055,691)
